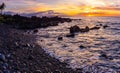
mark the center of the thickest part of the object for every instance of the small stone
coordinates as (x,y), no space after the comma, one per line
(1,71)
(104,56)
(70,50)
(105,26)
(81,46)
(8,55)
(31,57)
(16,44)
(100,24)
(35,31)
(56,71)
(2,57)
(79,70)
(6,71)
(5,66)
(60,38)
(26,45)
(37,71)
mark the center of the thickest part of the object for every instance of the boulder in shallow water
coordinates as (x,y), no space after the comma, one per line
(74,29)
(105,26)
(95,28)
(72,35)
(86,29)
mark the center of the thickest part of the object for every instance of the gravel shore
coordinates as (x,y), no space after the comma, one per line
(20,54)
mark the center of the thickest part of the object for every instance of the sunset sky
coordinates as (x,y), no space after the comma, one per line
(68,7)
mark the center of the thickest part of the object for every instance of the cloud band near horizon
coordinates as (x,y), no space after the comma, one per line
(68,7)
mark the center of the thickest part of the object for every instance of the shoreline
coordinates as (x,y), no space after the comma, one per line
(22,54)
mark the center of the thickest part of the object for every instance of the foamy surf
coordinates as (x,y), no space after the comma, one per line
(96,42)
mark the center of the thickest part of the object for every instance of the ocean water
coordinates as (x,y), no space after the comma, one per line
(102,47)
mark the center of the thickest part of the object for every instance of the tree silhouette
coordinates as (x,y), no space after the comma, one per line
(2,7)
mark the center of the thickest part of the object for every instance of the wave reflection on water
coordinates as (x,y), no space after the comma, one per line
(102,47)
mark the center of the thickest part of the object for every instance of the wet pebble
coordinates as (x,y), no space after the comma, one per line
(2,57)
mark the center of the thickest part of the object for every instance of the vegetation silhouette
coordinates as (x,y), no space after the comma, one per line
(2,7)
(21,22)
